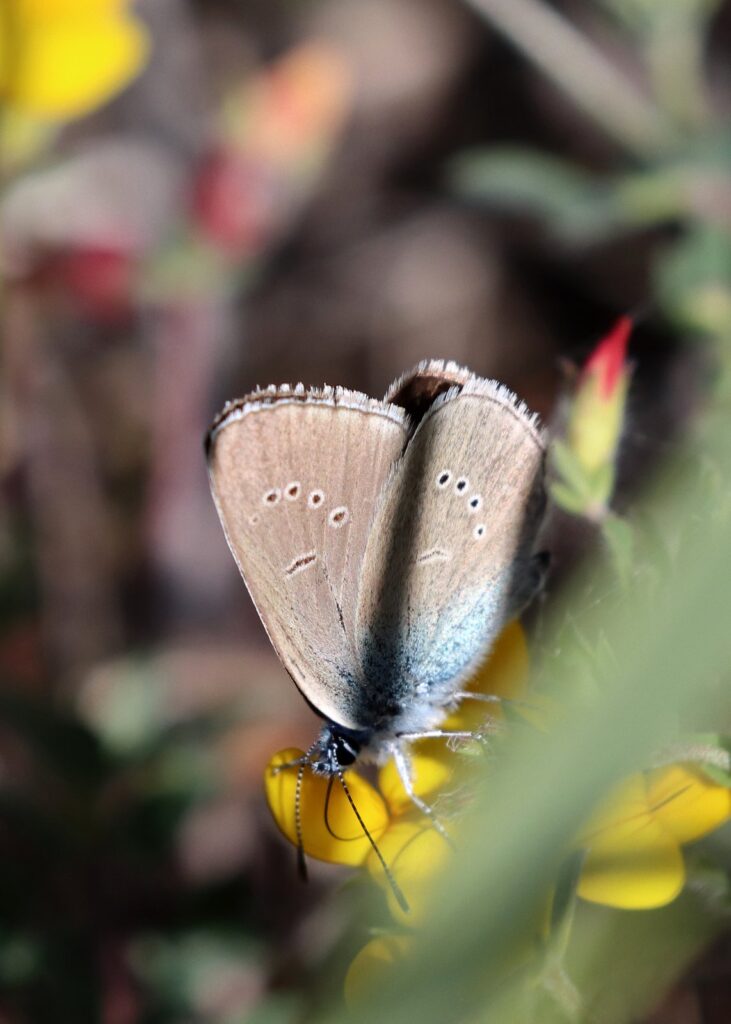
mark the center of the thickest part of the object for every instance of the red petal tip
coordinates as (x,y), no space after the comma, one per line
(608,358)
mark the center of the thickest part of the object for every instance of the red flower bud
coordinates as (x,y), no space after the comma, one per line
(608,358)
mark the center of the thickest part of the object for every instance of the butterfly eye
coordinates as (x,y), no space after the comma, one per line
(475,502)
(339,516)
(272,496)
(345,753)
(461,484)
(479,531)
(443,478)
(292,490)
(315,499)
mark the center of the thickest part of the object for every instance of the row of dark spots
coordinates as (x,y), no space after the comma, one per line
(443,480)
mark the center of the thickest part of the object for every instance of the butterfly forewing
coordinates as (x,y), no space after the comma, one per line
(451,542)
(296,475)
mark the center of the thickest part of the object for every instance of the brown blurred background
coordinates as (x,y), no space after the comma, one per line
(288,191)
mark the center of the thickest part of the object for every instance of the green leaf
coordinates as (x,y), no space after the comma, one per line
(544,785)
(564,462)
(620,539)
(574,204)
(601,484)
(568,499)
(692,280)
(564,899)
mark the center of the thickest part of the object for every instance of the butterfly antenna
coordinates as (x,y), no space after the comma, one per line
(326,812)
(395,888)
(301,862)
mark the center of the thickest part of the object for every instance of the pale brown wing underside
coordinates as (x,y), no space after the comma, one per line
(296,476)
(382,562)
(451,539)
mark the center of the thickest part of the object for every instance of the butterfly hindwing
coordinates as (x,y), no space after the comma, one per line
(451,543)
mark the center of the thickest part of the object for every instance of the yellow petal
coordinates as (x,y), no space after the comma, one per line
(48,10)
(626,803)
(369,966)
(686,802)
(505,673)
(634,869)
(67,68)
(432,766)
(335,836)
(414,853)
(632,862)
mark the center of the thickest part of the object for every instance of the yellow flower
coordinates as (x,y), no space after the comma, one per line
(330,829)
(60,59)
(633,842)
(410,845)
(634,857)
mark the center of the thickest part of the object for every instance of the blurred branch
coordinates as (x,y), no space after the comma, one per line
(70,514)
(672,644)
(675,63)
(190,340)
(582,71)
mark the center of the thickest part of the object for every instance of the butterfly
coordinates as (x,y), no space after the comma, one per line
(384,543)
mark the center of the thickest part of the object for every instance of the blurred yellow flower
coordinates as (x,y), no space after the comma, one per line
(634,860)
(372,964)
(59,59)
(633,842)
(414,852)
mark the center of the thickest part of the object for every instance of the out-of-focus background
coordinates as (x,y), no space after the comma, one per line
(266,191)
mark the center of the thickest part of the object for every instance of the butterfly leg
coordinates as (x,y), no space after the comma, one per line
(404,769)
(443,734)
(489,698)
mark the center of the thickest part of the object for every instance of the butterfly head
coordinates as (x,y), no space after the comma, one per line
(336,749)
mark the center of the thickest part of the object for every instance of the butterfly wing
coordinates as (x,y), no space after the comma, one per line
(451,544)
(295,475)
(418,388)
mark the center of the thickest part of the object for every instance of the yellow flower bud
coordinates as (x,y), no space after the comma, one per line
(597,414)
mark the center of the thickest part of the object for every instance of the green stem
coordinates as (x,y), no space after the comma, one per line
(582,71)
(674,54)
